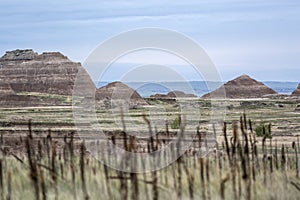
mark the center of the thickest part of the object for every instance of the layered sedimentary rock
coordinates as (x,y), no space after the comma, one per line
(173,94)
(27,71)
(117,92)
(240,88)
(297,91)
(31,79)
(5,89)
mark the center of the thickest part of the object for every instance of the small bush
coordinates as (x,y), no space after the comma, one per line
(176,123)
(263,130)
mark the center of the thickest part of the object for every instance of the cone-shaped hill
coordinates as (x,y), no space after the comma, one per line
(243,87)
(297,91)
(119,91)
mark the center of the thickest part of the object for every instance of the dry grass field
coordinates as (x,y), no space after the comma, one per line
(255,156)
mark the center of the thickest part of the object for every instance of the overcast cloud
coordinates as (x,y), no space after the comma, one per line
(259,38)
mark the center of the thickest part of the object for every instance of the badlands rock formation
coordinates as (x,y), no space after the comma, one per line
(5,89)
(27,71)
(243,87)
(173,95)
(297,91)
(23,73)
(118,91)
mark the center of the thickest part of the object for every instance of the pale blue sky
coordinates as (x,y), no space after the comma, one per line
(259,38)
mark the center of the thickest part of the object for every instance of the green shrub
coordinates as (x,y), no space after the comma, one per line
(176,123)
(263,130)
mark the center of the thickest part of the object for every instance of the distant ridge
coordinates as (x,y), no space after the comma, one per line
(241,87)
(173,94)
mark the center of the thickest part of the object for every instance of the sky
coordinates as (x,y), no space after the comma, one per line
(259,38)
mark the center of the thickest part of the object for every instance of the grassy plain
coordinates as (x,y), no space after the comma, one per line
(38,165)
